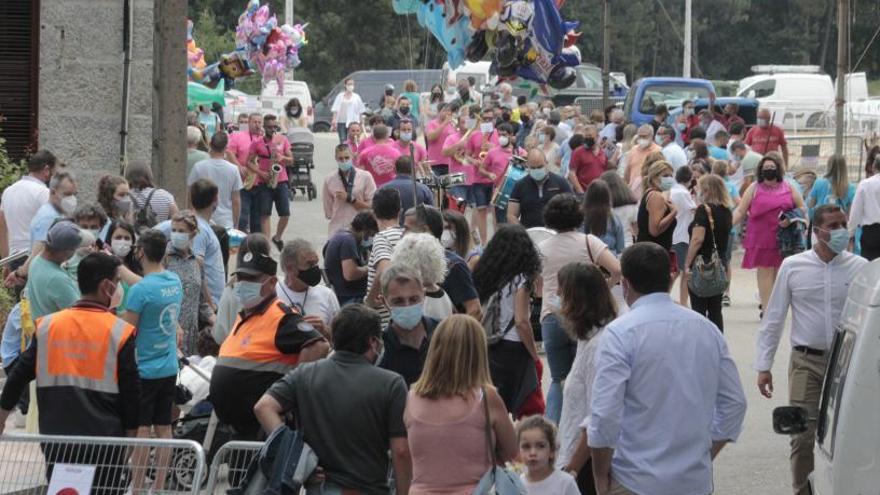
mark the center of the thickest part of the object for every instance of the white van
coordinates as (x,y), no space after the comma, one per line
(847,449)
(274,103)
(798,99)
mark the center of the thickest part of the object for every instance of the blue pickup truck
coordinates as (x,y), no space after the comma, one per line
(649,92)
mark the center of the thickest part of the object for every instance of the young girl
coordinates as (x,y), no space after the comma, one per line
(119,242)
(536,437)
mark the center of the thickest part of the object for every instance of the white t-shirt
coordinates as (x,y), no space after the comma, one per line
(628,215)
(685,204)
(508,307)
(228,181)
(349,109)
(315,301)
(437,305)
(558,483)
(19,204)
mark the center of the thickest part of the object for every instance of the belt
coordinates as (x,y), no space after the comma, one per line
(808,350)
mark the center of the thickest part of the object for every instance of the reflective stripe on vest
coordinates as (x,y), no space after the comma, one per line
(86,364)
(251,344)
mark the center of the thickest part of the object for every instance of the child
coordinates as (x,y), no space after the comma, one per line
(536,437)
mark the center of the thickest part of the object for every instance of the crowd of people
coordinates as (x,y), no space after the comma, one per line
(428,323)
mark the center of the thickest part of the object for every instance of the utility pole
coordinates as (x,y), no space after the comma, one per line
(842,68)
(606,48)
(288,19)
(169,96)
(686,63)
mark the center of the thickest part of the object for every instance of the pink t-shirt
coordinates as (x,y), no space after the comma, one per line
(435,147)
(476,142)
(240,145)
(366,144)
(379,160)
(263,148)
(456,166)
(496,162)
(418,150)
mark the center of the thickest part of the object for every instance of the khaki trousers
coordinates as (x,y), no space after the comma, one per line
(805,375)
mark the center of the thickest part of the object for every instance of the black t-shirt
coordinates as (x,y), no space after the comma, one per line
(405,360)
(644,220)
(723,222)
(343,246)
(459,282)
(533,197)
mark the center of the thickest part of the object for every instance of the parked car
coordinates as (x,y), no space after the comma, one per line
(370,85)
(847,448)
(589,84)
(272,102)
(748,108)
(649,92)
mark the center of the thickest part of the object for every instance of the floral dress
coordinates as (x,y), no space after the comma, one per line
(195,304)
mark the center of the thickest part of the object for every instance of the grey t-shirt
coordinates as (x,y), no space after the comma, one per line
(228,181)
(348,411)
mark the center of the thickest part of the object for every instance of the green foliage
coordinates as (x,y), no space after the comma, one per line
(874,87)
(10,171)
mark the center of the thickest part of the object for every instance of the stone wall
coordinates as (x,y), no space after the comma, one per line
(81,73)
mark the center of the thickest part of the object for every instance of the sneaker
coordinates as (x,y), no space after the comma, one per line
(725,301)
(278,243)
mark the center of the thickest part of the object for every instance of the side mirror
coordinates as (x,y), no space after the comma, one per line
(789,420)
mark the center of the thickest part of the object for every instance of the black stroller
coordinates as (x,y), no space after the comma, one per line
(302,145)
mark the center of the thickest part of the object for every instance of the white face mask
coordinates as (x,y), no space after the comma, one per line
(68,204)
(447,239)
(503,141)
(120,247)
(116,299)
(644,142)
(349,87)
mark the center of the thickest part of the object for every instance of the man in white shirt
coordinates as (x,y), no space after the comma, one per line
(673,153)
(865,213)
(708,122)
(301,286)
(814,283)
(226,176)
(609,132)
(667,395)
(20,203)
(680,196)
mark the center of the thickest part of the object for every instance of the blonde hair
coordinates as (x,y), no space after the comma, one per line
(714,191)
(424,254)
(837,175)
(652,158)
(653,173)
(410,86)
(457,361)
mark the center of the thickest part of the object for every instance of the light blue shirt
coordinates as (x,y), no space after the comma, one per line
(156,299)
(718,153)
(41,222)
(565,153)
(205,245)
(665,389)
(609,132)
(10,347)
(822,194)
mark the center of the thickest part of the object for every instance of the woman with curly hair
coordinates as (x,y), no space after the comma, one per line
(113,196)
(509,267)
(424,254)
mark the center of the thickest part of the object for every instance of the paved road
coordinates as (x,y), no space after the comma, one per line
(758,463)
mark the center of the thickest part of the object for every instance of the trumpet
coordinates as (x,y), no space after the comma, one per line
(273,177)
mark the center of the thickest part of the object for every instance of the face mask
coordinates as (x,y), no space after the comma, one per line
(344,165)
(538,173)
(486,127)
(122,205)
(699,197)
(404,110)
(447,239)
(503,141)
(691,154)
(407,317)
(406,137)
(179,240)
(94,232)
(838,240)
(68,204)
(116,299)
(248,293)
(688,112)
(658,140)
(682,127)
(643,143)
(349,87)
(590,142)
(769,174)
(367,243)
(311,277)
(666,183)
(120,247)
(762,122)
(470,123)
(294,112)
(542,138)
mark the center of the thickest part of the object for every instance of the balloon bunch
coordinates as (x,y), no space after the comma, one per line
(268,47)
(528,38)
(195,56)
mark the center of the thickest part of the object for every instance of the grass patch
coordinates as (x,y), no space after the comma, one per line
(874,87)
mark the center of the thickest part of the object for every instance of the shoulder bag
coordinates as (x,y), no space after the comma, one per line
(498,480)
(708,278)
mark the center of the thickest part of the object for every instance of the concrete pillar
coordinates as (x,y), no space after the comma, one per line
(169,97)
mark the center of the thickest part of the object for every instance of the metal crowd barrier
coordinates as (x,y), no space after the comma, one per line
(811,151)
(230,464)
(31,464)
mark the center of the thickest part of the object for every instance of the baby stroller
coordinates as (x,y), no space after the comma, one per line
(302,145)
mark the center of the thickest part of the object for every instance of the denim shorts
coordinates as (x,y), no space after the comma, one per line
(482,194)
(279,196)
(464,192)
(681,252)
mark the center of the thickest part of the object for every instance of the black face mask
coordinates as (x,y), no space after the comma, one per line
(769,174)
(312,276)
(505,117)
(404,110)
(589,142)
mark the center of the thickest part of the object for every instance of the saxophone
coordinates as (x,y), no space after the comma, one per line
(273,177)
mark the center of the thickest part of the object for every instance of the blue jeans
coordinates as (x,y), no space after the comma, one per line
(342,131)
(249,221)
(560,350)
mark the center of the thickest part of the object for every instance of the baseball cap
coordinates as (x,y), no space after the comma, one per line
(64,236)
(252,263)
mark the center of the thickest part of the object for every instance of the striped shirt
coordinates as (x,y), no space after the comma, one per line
(383,246)
(160,202)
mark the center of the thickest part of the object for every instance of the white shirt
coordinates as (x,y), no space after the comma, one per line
(666,387)
(714,127)
(816,292)
(437,305)
(558,483)
(507,313)
(353,107)
(685,204)
(866,205)
(228,180)
(19,204)
(675,155)
(315,301)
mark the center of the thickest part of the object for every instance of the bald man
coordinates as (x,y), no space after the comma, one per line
(766,137)
(533,192)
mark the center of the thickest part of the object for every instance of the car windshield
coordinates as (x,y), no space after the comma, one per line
(670,95)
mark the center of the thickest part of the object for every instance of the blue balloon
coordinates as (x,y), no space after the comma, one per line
(454,37)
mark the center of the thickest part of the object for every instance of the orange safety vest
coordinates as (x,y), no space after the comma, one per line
(80,348)
(251,344)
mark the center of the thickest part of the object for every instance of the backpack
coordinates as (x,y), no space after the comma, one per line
(144,216)
(492,319)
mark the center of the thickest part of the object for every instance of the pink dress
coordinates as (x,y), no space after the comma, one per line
(760,240)
(447,441)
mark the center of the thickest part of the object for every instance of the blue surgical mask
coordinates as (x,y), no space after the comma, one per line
(407,317)
(666,183)
(406,136)
(345,166)
(538,173)
(658,139)
(179,240)
(838,240)
(248,293)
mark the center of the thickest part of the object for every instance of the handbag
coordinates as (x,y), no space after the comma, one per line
(708,278)
(497,480)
